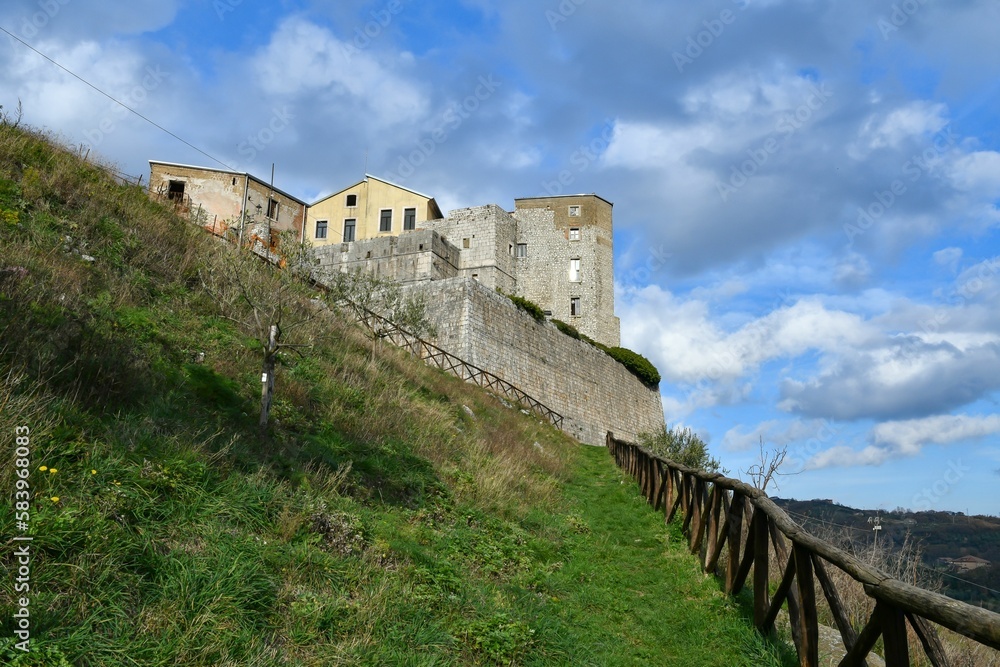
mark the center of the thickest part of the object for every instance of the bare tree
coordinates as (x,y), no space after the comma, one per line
(266,301)
(768,467)
(363,292)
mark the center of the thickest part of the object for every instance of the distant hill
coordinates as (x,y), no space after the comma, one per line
(940,536)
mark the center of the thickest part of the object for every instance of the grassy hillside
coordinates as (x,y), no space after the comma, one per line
(391,515)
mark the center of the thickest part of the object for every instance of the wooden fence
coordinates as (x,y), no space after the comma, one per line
(715,508)
(435,356)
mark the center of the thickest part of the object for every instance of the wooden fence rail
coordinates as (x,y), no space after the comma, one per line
(435,356)
(715,508)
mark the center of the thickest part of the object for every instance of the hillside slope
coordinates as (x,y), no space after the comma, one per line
(390,515)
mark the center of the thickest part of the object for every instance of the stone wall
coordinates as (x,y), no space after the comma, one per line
(484,235)
(412,256)
(592,391)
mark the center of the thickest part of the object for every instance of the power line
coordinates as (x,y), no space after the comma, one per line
(116,101)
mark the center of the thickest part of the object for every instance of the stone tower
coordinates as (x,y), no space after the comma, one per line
(564,261)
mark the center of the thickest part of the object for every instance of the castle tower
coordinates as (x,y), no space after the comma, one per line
(564,261)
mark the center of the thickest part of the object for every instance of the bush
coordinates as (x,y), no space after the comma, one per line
(637,365)
(680,445)
(529,307)
(567,329)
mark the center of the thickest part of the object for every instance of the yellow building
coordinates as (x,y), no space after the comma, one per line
(368,209)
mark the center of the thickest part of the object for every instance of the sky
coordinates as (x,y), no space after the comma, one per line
(805,191)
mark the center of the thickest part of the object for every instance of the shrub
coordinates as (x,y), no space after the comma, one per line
(680,445)
(529,307)
(567,329)
(638,365)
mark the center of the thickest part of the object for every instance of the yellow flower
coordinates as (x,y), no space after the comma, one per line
(43,468)
(53,471)
(93,472)
(54,499)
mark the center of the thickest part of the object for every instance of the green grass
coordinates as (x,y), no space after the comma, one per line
(375,522)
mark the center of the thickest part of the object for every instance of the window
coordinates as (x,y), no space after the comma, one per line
(574,233)
(349,226)
(409,218)
(175,191)
(465,243)
(272,209)
(352,200)
(574,211)
(321,229)
(385,220)
(574,306)
(521,250)
(574,270)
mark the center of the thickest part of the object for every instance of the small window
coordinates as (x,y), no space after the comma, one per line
(385,220)
(272,209)
(234,180)
(574,211)
(349,226)
(521,250)
(574,306)
(352,201)
(465,243)
(574,270)
(548,313)
(409,218)
(175,191)
(475,276)
(321,229)
(574,233)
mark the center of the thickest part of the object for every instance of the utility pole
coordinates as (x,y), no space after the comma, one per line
(876,522)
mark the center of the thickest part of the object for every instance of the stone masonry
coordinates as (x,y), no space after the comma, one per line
(592,391)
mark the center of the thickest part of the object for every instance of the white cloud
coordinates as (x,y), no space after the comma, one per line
(774,433)
(306,59)
(892,129)
(689,347)
(948,258)
(907,438)
(977,172)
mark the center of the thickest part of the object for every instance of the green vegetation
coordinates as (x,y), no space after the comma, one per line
(637,365)
(527,306)
(374,521)
(567,329)
(680,445)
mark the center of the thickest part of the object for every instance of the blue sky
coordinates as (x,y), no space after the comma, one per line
(805,191)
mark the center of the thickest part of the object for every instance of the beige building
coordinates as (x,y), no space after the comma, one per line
(220,200)
(368,209)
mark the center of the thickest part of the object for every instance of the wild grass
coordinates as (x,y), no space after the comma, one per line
(390,515)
